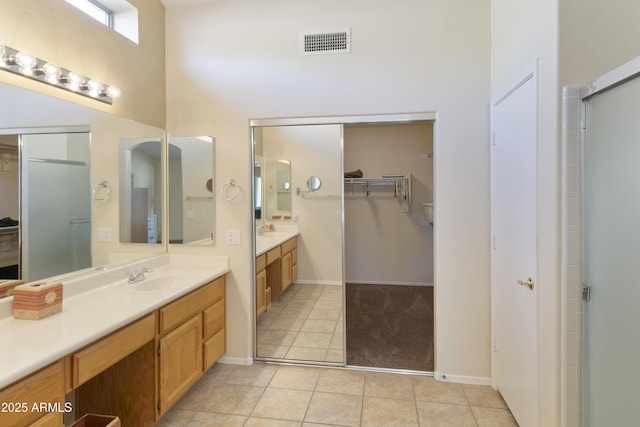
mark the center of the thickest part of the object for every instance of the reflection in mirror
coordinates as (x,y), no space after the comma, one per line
(313,183)
(191,197)
(140,190)
(277,193)
(54,203)
(257,185)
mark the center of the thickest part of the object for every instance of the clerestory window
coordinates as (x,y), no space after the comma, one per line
(94,9)
(119,15)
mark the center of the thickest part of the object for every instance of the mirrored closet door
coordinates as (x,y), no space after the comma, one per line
(298,242)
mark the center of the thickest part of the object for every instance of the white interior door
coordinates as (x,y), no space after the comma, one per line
(514,247)
(611,252)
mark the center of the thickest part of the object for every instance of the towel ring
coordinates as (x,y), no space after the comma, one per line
(225,187)
(102,191)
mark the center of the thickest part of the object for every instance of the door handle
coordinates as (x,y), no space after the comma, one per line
(529,283)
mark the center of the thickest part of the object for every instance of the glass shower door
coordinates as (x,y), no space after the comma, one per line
(56,204)
(611,255)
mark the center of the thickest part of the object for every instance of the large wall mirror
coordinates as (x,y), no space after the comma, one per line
(191,195)
(50,142)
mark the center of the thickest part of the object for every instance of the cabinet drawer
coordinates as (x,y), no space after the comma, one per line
(177,312)
(214,348)
(289,245)
(214,318)
(273,255)
(260,263)
(46,385)
(99,356)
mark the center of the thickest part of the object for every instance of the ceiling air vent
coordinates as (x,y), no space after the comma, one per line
(325,43)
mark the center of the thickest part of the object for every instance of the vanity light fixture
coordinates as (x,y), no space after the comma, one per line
(27,65)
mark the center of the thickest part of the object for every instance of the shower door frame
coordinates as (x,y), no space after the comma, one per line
(399,118)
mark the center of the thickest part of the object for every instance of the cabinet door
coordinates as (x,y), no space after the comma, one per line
(286,271)
(180,361)
(45,386)
(261,292)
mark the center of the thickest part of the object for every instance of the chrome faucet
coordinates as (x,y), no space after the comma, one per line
(138,276)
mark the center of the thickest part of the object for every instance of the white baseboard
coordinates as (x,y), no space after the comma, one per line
(236,361)
(461,379)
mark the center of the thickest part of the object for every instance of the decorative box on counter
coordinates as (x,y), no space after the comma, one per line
(37,300)
(6,287)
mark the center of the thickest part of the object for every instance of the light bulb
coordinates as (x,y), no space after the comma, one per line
(74,80)
(26,62)
(2,53)
(94,87)
(113,92)
(51,72)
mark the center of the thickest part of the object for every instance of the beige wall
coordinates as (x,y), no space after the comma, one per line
(384,244)
(57,32)
(596,36)
(236,61)
(522,32)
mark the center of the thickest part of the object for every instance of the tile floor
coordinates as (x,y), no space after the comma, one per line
(305,323)
(280,395)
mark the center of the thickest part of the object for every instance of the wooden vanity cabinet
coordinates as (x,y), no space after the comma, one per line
(192,337)
(137,372)
(43,387)
(275,269)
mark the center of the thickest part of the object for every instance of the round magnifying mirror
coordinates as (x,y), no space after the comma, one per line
(313,183)
(210,185)
(285,185)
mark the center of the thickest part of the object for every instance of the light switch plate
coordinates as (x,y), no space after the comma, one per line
(104,234)
(233,237)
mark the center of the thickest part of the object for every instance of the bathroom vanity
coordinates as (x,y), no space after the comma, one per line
(276,265)
(130,350)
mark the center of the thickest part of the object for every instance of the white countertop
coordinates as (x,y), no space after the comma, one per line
(271,239)
(93,306)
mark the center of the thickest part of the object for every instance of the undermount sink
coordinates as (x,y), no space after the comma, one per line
(159,283)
